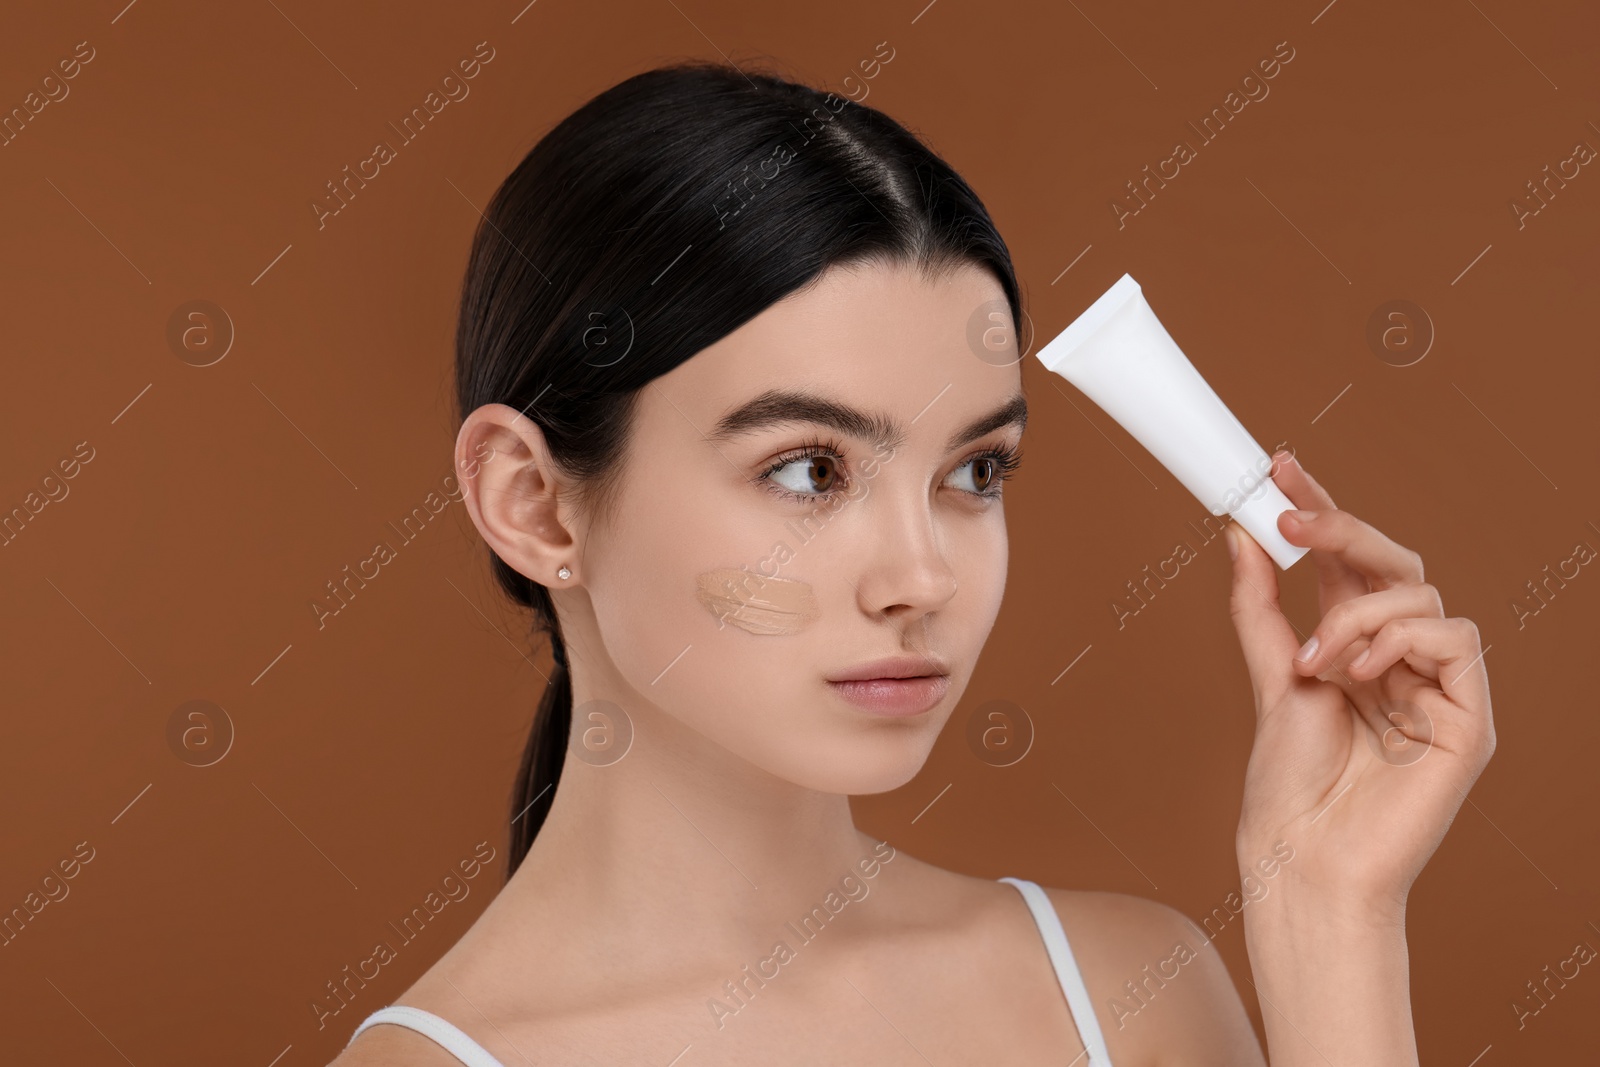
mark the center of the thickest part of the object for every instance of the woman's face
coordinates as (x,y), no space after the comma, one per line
(765,540)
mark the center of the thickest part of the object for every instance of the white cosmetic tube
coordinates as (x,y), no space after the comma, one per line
(1123,359)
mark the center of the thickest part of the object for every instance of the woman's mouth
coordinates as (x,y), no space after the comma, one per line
(894,696)
(898,685)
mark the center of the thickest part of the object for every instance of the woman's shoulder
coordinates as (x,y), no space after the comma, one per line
(1156,981)
(1185,999)
(1117,925)
(1112,935)
(393,1046)
(1103,927)
(1155,978)
(388,1044)
(1102,920)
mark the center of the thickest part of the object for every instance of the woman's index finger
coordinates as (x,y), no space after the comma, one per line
(1338,581)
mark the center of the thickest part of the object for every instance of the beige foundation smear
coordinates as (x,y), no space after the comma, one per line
(756,603)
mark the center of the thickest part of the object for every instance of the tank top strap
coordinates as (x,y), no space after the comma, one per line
(454,1040)
(1066,968)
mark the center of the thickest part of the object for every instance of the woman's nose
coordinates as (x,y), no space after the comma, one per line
(906,567)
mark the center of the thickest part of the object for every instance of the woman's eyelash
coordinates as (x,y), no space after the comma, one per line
(809,450)
(1006,457)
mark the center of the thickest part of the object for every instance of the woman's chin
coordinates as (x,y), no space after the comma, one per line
(865,769)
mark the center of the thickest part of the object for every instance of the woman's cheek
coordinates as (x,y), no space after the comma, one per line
(984,570)
(735,568)
(715,573)
(758,602)
(644,588)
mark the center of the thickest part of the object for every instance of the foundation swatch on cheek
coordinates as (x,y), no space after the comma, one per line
(758,604)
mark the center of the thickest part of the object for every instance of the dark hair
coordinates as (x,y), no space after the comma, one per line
(653,221)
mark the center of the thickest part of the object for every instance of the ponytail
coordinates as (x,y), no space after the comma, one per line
(542,757)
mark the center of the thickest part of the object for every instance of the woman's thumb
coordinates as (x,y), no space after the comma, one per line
(1265,635)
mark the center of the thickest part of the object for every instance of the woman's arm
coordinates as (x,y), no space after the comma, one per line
(1367,741)
(1334,985)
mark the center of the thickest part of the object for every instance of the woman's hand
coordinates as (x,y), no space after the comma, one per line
(1366,748)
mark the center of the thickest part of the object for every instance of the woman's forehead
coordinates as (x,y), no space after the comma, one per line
(891,335)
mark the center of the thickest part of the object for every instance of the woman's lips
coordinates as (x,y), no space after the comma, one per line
(895,696)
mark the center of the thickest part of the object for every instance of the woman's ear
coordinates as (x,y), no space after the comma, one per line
(511,490)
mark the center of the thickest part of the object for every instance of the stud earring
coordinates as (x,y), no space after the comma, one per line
(563,573)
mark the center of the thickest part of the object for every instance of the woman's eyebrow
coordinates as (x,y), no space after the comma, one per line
(779,406)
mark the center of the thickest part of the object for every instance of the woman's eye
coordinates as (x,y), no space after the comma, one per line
(807,475)
(983,472)
(819,471)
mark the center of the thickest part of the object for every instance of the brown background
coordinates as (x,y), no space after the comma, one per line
(369,756)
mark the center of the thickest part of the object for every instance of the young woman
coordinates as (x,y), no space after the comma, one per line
(728,436)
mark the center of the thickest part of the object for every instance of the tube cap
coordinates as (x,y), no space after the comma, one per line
(1259,517)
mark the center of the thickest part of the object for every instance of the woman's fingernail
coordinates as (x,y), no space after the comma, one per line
(1308,650)
(1231,536)
(1359,660)
(1302,517)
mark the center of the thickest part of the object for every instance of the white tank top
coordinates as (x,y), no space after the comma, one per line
(472,1054)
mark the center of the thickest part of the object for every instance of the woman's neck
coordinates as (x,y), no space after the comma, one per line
(677,857)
